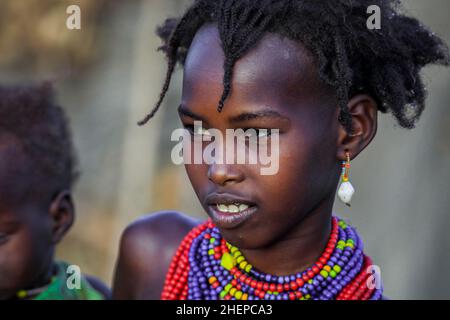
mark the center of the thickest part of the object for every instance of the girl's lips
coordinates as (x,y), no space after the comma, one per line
(230,220)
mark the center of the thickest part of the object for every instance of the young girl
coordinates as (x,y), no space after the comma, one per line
(317,72)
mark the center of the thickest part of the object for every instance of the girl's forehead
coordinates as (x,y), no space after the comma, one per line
(272,61)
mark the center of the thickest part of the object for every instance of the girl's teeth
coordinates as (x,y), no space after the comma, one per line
(232,208)
(222,207)
(243,207)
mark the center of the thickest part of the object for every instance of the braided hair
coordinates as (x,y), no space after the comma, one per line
(384,63)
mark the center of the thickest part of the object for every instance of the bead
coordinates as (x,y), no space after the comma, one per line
(205,266)
(300,282)
(22,294)
(212,280)
(345,192)
(227,261)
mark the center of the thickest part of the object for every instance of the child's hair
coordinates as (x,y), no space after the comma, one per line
(352,59)
(29,113)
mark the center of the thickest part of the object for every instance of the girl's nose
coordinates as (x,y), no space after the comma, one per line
(223,174)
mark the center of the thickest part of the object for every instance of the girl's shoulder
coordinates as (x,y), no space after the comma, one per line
(161,224)
(146,249)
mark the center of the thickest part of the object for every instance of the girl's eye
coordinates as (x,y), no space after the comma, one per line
(3,238)
(263,133)
(197,130)
(260,133)
(201,131)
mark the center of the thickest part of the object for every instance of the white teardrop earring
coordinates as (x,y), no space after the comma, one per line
(346,189)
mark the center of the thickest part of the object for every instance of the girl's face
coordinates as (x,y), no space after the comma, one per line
(26,244)
(274,86)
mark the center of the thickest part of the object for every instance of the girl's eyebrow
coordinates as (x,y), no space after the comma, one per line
(246,116)
(10,224)
(184,111)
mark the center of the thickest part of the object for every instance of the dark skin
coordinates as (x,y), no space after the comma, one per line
(32,223)
(275,86)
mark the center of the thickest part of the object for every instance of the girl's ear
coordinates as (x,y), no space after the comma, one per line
(364,111)
(62,215)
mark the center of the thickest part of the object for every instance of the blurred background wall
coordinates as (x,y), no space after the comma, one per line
(108,75)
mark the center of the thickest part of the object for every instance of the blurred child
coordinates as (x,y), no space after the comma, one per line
(37,172)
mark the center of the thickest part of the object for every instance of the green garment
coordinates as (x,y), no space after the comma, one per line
(58,289)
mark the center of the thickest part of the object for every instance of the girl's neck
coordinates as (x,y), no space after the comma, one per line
(299,249)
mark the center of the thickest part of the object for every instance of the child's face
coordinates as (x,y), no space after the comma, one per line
(26,244)
(279,79)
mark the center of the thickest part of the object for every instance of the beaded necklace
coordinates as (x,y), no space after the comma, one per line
(27,294)
(206,267)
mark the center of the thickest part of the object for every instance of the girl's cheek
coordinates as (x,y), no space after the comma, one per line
(14,262)
(197,174)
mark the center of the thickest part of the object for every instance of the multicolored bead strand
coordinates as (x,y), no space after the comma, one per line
(206,267)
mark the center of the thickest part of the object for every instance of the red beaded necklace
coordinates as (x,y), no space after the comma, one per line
(176,283)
